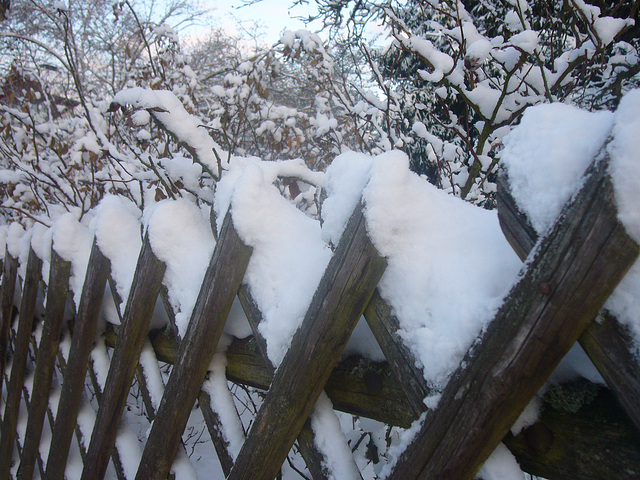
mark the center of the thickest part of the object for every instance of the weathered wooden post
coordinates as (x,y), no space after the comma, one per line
(19,363)
(83,338)
(573,271)
(607,343)
(219,288)
(133,332)
(57,290)
(9,274)
(341,297)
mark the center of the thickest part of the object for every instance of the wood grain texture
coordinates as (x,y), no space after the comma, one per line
(19,362)
(82,340)
(313,458)
(608,344)
(216,431)
(57,290)
(9,274)
(340,299)
(385,325)
(133,332)
(565,282)
(219,288)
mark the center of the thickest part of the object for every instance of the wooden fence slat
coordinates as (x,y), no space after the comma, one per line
(360,386)
(573,271)
(9,274)
(135,325)
(219,288)
(216,431)
(149,398)
(82,340)
(354,270)
(608,344)
(313,458)
(385,325)
(57,290)
(19,363)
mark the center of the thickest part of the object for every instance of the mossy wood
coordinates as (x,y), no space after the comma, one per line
(340,299)
(145,287)
(608,343)
(82,340)
(57,290)
(19,362)
(9,274)
(565,282)
(219,288)
(595,443)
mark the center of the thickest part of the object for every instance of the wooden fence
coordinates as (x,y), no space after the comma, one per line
(568,277)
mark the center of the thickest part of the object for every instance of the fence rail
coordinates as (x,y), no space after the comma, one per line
(566,280)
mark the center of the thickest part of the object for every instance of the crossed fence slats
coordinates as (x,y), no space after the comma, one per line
(58,288)
(19,363)
(572,273)
(607,343)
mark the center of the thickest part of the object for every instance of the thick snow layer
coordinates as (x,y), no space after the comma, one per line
(501,465)
(222,402)
(118,233)
(547,155)
(449,265)
(41,239)
(72,241)
(345,179)
(15,232)
(624,150)
(180,237)
(288,258)
(330,440)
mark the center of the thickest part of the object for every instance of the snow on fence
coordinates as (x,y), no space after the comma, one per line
(465,337)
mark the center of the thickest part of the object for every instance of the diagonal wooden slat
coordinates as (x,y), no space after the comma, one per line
(340,299)
(385,326)
(608,343)
(314,459)
(135,325)
(565,282)
(57,290)
(19,363)
(84,334)
(9,274)
(215,426)
(220,285)
(362,387)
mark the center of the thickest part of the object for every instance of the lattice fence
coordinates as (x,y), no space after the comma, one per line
(567,278)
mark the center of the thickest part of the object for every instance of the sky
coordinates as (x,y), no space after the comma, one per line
(273,16)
